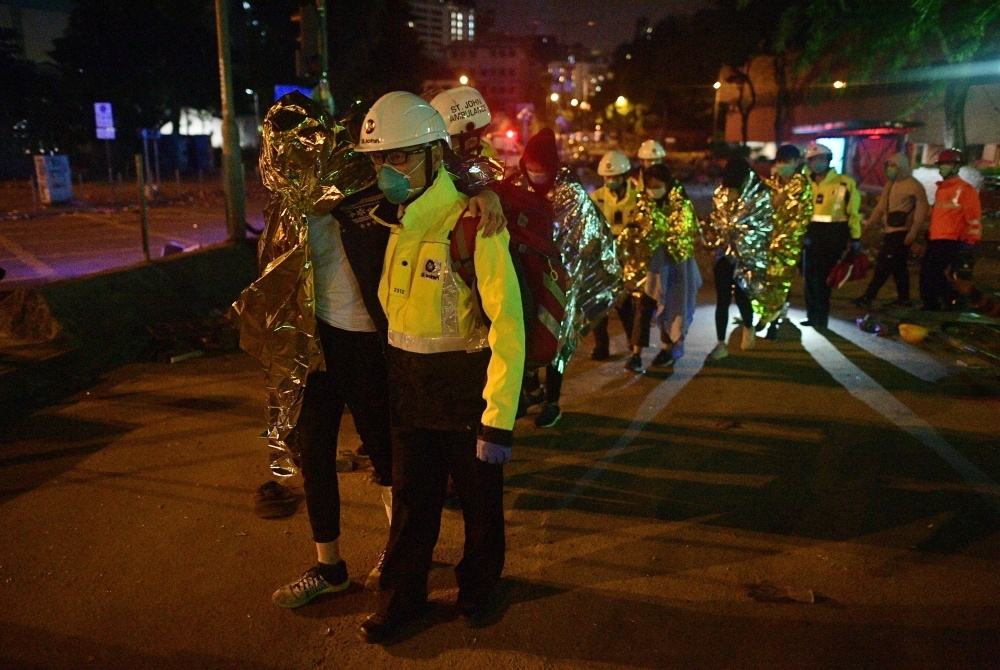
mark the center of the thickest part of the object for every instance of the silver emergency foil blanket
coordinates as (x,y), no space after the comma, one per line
(475,174)
(584,239)
(308,164)
(743,224)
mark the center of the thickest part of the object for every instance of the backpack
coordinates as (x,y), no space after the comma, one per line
(540,273)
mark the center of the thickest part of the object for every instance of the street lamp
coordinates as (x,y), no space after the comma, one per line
(574,102)
(554,97)
(463,80)
(717,85)
(839,84)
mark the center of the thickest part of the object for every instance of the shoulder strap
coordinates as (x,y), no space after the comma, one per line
(463,254)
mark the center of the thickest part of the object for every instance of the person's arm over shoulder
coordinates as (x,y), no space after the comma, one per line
(853,208)
(500,295)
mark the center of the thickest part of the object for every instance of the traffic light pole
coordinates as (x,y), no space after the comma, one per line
(232,166)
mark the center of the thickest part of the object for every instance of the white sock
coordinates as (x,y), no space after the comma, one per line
(387,501)
(328,552)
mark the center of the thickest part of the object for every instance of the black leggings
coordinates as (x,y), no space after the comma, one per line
(726,289)
(355,376)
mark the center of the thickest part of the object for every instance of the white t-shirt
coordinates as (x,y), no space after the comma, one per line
(338,297)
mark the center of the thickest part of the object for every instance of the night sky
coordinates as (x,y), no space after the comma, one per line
(568,18)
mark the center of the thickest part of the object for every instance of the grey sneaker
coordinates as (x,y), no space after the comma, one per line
(311,584)
(719,352)
(372,583)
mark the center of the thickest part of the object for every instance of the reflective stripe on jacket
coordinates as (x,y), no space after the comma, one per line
(430,309)
(957,212)
(619,213)
(836,199)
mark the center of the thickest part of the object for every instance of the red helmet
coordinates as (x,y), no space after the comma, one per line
(950,156)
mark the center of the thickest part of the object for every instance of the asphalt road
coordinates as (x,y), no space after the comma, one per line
(668,521)
(38,246)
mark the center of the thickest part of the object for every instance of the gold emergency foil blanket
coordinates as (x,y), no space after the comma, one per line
(671,223)
(793,208)
(743,223)
(308,163)
(584,239)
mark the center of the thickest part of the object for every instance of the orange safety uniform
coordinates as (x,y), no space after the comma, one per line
(957,212)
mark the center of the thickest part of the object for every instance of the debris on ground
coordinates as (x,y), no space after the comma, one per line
(180,339)
(766,592)
(274,500)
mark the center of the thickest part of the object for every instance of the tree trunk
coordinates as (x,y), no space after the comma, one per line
(782,100)
(955,95)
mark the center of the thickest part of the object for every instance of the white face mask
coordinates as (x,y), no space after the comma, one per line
(538,177)
(656,193)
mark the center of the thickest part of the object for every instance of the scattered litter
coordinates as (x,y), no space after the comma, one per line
(273,500)
(912,333)
(240,533)
(179,358)
(345,464)
(767,592)
(869,323)
(728,424)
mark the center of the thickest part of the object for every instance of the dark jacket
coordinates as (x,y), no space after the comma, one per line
(365,240)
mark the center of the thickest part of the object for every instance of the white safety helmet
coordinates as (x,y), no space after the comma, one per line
(463,110)
(613,164)
(651,150)
(816,149)
(400,119)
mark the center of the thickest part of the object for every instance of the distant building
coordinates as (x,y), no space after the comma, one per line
(501,67)
(574,79)
(439,23)
(864,124)
(36,25)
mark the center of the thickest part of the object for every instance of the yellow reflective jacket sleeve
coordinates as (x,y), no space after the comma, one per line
(854,211)
(500,295)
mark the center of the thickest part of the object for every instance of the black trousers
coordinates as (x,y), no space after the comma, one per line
(726,290)
(422,461)
(635,313)
(891,262)
(602,341)
(824,245)
(935,289)
(553,384)
(355,376)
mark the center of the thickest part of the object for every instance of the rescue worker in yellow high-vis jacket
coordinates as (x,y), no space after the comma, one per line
(454,377)
(835,229)
(618,201)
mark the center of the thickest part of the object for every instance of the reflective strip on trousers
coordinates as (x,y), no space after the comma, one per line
(826,218)
(416,344)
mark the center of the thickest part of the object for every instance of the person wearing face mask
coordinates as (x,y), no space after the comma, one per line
(791,198)
(902,210)
(618,202)
(466,116)
(525,195)
(833,232)
(650,153)
(454,379)
(671,286)
(956,226)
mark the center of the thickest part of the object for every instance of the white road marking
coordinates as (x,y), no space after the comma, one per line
(906,357)
(28,258)
(868,391)
(699,343)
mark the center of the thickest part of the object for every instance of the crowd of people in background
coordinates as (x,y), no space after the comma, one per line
(427,322)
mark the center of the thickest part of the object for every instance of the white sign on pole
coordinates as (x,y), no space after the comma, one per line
(105,133)
(55,181)
(104,115)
